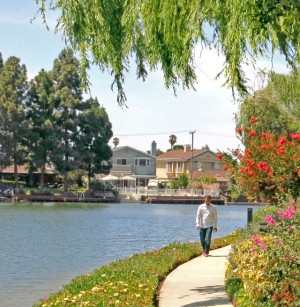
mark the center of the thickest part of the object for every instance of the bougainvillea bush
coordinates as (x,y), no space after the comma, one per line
(264,269)
(268,167)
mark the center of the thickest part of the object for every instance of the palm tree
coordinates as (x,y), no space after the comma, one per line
(172,140)
(116,142)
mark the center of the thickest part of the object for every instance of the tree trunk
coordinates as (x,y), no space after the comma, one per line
(42,179)
(65,181)
(16,175)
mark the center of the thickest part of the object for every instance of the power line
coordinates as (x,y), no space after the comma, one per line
(178,132)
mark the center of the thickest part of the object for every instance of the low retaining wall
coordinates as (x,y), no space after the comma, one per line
(180,200)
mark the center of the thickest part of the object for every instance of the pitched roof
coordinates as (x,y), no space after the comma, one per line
(180,154)
(134,149)
(221,175)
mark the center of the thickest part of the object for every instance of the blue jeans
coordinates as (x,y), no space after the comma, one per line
(205,238)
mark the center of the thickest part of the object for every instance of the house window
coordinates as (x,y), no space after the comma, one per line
(121,161)
(198,165)
(169,167)
(179,167)
(141,162)
(215,165)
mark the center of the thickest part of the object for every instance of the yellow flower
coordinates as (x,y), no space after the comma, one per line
(95,289)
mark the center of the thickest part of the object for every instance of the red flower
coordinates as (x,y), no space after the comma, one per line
(295,137)
(251,173)
(250,162)
(252,133)
(253,120)
(245,170)
(240,156)
(239,131)
(267,135)
(280,151)
(264,146)
(225,167)
(219,156)
(281,141)
(263,135)
(262,164)
(248,152)
(267,168)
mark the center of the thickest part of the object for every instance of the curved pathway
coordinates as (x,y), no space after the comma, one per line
(199,282)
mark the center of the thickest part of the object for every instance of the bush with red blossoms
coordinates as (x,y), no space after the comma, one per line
(268,167)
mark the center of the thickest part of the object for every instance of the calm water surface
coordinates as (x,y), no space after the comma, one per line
(44,246)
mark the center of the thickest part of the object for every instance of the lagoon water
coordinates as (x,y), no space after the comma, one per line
(44,246)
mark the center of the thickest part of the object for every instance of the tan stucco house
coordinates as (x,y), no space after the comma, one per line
(195,163)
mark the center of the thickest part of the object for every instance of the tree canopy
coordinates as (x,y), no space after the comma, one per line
(164,34)
(46,122)
(275,108)
(13,124)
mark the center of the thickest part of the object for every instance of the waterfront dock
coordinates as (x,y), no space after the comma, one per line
(69,198)
(171,196)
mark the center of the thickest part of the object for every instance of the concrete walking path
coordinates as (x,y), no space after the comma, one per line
(199,282)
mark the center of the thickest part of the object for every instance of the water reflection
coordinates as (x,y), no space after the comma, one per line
(45,245)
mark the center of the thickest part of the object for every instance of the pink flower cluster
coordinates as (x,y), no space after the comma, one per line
(259,242)
(289,213)
(269,219)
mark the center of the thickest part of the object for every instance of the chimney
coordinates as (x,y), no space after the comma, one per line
(186,147)
(153,149)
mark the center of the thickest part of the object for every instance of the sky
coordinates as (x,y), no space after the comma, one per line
(153,113)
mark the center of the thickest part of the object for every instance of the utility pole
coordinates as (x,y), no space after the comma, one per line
(192,133)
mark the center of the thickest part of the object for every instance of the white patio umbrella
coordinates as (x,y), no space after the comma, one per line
(127,178)
(110,178)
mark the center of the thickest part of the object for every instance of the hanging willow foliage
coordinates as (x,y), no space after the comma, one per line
(163,34)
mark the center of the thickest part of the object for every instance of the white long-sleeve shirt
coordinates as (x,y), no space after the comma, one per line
(207,216)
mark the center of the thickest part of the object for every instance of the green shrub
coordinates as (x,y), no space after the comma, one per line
(129,282)
(234,286)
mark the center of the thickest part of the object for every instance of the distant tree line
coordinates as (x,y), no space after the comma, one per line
(47,121)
